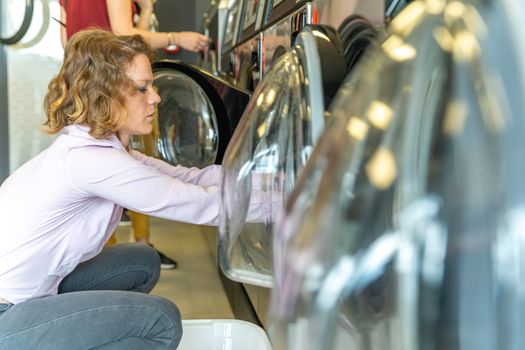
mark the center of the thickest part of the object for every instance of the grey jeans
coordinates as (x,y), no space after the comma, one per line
(101,305)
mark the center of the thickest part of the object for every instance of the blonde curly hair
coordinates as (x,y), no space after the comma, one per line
(92,85)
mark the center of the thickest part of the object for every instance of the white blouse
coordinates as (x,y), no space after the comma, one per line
(60,208)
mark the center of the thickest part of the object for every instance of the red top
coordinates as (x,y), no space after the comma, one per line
(83,14)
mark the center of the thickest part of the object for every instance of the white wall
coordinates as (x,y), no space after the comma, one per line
(29,71)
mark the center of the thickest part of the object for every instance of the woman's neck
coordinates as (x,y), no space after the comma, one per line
(124,139)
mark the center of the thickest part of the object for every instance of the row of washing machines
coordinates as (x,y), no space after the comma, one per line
(251,34)
(391,157)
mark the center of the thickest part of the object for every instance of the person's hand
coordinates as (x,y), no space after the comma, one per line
(145,5)
(192,41)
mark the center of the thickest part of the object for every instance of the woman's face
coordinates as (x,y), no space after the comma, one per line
(140,106)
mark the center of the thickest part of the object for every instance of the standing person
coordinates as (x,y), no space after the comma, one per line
(117,16)
(60,288)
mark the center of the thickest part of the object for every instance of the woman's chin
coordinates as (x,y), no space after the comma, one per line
(146,130)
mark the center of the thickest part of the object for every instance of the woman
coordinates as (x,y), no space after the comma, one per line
(59,289)
(117,16)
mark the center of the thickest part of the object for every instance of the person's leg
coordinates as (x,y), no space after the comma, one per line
(108,320)
(128,266)
(140,224)
(112,240)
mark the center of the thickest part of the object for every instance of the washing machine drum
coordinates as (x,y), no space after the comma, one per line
(270,146)
(406,229)
(195,118)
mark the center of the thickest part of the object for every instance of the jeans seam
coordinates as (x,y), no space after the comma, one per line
(127,269)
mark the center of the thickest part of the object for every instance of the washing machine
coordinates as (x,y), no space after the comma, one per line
(404,231)
(301,88)
(270,146)
(196,117)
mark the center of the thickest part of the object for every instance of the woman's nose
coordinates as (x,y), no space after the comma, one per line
(154,96)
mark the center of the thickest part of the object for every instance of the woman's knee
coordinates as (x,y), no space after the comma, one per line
(172,314)
(150,259)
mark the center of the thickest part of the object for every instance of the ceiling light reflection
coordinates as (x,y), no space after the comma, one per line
(455,117)
(382,169)
(466,46)
(320,35)
(380,114)
(357,128)
(409,18)
(270,97)
(435,6)
(261,130)
(474,21)
(398,50)
(453,12)
(260,99)
(443,38)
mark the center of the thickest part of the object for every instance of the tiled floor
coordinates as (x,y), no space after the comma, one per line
(195,285)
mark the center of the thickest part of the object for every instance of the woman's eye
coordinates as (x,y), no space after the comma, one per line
(142,90)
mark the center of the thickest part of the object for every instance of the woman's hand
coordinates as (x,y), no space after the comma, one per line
(191,41)
(145,5)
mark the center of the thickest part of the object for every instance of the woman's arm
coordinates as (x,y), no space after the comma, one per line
(209,176)
(120,18)
(63,33)
(146,10)
(116,176)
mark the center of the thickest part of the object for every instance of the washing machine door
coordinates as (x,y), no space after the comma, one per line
(405,229)
(271,145)
(195,118)
(16,21)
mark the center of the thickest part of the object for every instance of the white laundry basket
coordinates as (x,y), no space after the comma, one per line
(223,335)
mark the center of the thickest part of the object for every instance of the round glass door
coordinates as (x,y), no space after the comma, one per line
(405,231)
(269,147)
(16,19)
(187,131)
